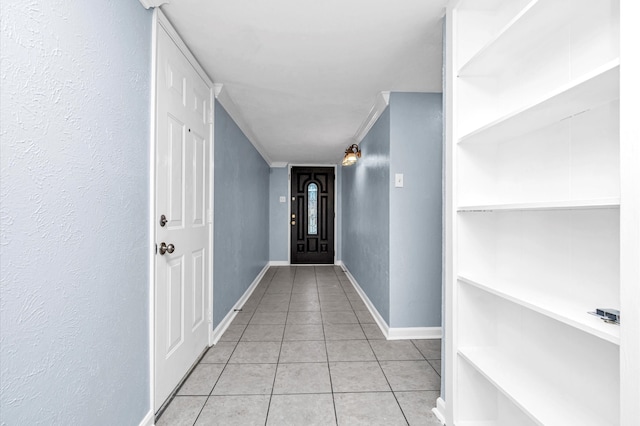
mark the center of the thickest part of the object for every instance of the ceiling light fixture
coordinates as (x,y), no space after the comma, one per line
(351,155)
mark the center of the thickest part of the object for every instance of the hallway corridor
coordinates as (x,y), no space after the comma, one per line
(306,351)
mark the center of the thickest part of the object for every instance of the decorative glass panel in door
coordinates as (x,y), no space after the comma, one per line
(312,209)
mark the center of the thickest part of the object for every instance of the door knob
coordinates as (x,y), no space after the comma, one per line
(163,220)
(164,248)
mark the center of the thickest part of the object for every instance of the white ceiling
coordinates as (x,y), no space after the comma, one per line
(304,74)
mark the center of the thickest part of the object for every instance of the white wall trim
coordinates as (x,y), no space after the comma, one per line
(211,212)
(439,410)
(279,263)
(230,106)
(405,333)
(153,3)
(217,333)
(391,333)
(152,215)
(148,419)
(382,324)
(279,164)
(381,103)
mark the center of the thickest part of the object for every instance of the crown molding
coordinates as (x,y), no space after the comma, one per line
(279,164)
(225,100)
(381,103)
(153,3)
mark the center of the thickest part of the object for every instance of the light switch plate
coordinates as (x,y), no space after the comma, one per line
(283,199)
(399,180)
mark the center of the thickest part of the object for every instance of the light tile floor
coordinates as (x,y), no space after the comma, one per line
(305,351)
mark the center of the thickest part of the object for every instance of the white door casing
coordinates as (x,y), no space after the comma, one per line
(182,164)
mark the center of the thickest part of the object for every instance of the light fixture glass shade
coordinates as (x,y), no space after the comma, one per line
(351,155)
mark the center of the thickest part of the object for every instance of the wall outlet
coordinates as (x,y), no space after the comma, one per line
(283,199)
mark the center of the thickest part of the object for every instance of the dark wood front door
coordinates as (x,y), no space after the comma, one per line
(312,214)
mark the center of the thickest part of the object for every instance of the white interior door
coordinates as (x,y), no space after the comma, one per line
(182,165)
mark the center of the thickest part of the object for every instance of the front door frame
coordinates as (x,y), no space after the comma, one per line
(335,208)
(161,23)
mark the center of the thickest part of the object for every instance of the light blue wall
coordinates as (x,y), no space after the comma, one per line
(392,237)
(74,248)
(365,216)
(278,214)
(241,214)
(416,210)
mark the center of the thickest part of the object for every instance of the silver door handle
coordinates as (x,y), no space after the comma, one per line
(164,248)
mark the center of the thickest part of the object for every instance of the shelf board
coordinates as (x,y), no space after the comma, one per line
(486,50)
(573,316)
(543,404)
(589,91)
(599,203)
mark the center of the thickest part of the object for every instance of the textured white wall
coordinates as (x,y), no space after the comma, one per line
(74,252)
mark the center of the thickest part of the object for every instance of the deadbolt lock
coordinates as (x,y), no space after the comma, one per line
(293,215)
(163,220)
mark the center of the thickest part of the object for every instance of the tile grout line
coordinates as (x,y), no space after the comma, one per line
(327,294)
(326,350)
(425,358)
(381,369)
(228,359)
(284,330)
(385,374)
(389,383)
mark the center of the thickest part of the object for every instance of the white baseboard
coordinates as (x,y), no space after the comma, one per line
(439,410)
(400,333)
(392,333)
(217,333)
(340,264)
(279,263)
(148,419)
(382,324)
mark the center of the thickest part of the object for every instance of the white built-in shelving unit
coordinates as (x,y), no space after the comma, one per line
(533,169)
